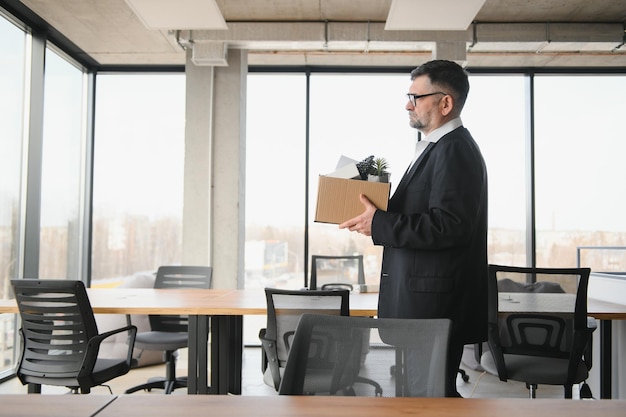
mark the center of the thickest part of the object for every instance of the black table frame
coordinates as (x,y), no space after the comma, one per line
(226,354)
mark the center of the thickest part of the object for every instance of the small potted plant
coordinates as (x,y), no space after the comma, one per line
(378,171)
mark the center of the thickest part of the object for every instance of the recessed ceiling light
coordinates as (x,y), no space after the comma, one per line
(432,14)
(178,14)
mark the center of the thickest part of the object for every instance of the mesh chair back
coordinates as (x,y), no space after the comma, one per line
(325,357)
(542,313)
(57,325)
(284,308)
(179,277)
(336,272)
(60,337)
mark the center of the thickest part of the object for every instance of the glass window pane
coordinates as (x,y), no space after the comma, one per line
(63,139)
(12,54)
(275,176)
(580,166)
(332,135)
(138,174)
(356,115)
(495,114)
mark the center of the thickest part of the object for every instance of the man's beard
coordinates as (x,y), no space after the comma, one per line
(416,124)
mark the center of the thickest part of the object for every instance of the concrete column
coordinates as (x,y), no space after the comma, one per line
(197,228)
(229,174)
(451,50)
(214,213)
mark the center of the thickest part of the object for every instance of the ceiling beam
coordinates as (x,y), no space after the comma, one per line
(368,36)
(317,42)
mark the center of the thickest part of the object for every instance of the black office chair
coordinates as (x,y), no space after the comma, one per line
(345,271)
(539,332)
(169,332)
(60,339)
(284,308)
(331,272)
(325,357)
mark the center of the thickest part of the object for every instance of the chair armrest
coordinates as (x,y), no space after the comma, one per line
(478,351)
(263,354)
(592,324)
(582,348)
(496,351)
(131,329)
(93,349)
(270,353)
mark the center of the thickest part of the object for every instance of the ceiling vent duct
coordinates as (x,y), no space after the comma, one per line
(210,54)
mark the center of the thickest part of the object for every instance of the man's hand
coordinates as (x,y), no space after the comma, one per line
(363,222)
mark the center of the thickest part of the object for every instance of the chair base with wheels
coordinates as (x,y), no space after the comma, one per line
(170,382)
(464,375)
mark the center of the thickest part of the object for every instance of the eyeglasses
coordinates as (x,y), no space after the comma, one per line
(414,97)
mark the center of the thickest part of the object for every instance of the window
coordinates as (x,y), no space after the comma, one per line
(580,170)
(345,121)
(356,115)
(496,116)
(12,58)
(275,177)
(138,174)
(60,249)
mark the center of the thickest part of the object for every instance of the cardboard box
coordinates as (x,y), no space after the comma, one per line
(338,198)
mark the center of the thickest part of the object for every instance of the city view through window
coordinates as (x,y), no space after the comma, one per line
(496,114)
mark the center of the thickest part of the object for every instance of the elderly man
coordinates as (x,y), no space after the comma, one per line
(434,232)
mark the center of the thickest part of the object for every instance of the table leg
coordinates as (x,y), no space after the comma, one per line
(34,388)
(605,359)
(202,354)
(217,335)
(192,359)
(197,361)
(226,354)
(236,354)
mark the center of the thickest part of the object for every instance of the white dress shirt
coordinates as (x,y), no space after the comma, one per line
(434,136)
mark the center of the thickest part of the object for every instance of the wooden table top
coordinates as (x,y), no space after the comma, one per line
(316,406)
(31,405)
(192,301)
(237,302)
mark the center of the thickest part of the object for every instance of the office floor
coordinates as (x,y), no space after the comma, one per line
(480,384)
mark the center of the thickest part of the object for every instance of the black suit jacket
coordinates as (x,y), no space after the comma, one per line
(434,234)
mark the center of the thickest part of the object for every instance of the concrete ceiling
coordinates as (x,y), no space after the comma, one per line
(504,33)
